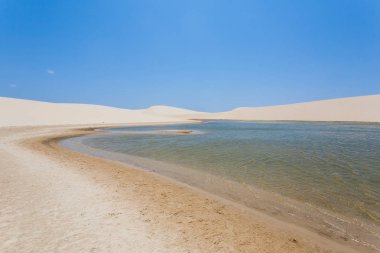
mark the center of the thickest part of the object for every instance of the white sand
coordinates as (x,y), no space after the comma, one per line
(365,109)
(19,112)
(46,206)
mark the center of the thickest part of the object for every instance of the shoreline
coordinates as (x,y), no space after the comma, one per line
(200,221)
(331,225)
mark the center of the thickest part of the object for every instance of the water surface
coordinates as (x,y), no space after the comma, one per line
(326,174)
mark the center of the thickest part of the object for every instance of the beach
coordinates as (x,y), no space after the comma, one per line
(59,200)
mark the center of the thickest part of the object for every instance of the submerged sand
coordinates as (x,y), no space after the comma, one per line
(56,200)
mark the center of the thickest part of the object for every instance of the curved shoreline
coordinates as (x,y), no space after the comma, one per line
(200,221)
(202,191)
(334,226)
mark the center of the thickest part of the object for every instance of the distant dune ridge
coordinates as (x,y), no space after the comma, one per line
(364,109)
(20,112)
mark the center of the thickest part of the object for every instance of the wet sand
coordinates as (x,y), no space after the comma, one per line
(54,199)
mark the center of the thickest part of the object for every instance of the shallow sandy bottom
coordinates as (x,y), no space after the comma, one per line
(55,200)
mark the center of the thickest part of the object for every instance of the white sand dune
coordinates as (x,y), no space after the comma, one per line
(364,109)
(20,112)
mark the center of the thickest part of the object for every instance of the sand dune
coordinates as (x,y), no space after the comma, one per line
(20,112)
(364,108)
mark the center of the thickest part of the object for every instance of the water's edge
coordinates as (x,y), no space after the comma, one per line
(325,223)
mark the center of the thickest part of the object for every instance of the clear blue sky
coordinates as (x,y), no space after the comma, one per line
(203,55)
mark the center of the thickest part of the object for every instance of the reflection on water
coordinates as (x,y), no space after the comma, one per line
(333,168)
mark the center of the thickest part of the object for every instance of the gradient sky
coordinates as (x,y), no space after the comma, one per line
(202,55)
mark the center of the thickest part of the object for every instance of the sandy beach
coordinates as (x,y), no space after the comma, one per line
(57,200)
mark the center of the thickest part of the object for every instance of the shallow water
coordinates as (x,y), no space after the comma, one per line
(327,174)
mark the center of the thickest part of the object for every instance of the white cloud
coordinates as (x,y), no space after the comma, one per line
(50,71)
(12,86)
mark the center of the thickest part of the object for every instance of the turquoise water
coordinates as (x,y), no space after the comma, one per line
(333,169)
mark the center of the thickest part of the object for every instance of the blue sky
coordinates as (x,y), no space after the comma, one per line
(203,55)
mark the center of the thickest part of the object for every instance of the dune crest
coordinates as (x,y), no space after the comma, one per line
(357,109)
(20,112)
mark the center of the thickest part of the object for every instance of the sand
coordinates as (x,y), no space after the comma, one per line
(56,200)
(355,109)
(19,112)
